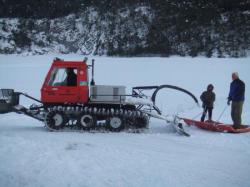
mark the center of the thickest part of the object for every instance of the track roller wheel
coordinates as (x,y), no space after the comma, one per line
(55,120)
(115,123)
(142,122)
(86,121)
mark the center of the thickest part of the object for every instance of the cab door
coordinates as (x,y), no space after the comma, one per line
(60,88)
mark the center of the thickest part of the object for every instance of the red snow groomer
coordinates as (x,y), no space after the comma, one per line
(68,99)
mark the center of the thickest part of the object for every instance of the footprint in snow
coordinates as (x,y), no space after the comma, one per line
(71,146)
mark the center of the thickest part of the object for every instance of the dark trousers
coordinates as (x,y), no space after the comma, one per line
(236,111)
(210,113)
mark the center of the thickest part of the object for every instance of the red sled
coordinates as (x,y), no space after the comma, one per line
(216,126)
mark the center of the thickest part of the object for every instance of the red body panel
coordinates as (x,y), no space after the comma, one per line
(215,126)
(66,94)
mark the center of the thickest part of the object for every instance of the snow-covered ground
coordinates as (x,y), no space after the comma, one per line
(32,156)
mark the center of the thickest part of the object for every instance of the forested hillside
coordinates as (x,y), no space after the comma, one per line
(126,28)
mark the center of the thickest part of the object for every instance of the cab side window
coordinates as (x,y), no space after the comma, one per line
(63,77)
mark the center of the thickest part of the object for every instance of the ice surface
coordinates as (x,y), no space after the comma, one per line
(31,156)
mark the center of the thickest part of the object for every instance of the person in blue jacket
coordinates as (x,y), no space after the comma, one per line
(237,96)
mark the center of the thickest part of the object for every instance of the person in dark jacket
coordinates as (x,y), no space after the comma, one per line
(237,96)
(71,78)
(208,98)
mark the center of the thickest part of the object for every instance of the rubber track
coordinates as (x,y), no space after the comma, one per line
(72,113)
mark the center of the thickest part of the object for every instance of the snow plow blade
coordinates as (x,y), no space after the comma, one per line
(175,122)
(8,99)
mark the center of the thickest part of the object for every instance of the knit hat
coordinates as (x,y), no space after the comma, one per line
(210,87)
